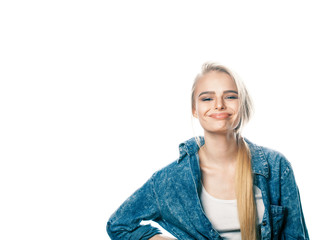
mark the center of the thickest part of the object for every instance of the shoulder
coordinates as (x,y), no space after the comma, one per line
(274,160)
(171,172)
(278,162)
(181,167)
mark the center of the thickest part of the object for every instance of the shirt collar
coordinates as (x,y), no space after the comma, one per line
(259,162)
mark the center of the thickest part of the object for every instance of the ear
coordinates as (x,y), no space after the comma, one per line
(194,113)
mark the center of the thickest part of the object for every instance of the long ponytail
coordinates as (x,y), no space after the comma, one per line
(246,205)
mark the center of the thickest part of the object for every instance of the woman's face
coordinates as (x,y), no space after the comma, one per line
(216,102)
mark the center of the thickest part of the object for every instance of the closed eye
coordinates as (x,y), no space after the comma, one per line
(228,97)
(231,97)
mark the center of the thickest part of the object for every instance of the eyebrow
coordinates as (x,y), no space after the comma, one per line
(212,92)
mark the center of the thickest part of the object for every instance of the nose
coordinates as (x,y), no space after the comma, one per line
(219,104)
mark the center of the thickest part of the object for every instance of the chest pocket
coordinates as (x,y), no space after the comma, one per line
(278,216)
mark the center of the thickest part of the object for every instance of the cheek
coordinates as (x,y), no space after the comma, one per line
(204,107)
(234,106)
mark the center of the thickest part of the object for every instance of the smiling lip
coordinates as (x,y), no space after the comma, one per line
(219,115)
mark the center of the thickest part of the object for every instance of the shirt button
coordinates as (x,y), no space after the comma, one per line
(264,223)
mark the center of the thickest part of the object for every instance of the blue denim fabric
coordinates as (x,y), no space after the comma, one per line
(171,198)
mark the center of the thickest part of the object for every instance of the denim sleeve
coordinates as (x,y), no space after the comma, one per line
(125,221)
(294,225)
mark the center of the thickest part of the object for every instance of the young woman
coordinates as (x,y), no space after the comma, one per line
(222,186)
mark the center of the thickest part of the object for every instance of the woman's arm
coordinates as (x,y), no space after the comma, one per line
(294,226)
(161,237)
(141,205)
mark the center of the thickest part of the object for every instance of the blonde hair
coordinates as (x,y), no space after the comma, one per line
(243,177)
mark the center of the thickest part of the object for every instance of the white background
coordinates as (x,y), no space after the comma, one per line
(95,97)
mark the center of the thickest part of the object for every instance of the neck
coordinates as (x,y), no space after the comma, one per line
(220,148)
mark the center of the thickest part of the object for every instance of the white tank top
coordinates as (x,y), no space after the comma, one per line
(223,214)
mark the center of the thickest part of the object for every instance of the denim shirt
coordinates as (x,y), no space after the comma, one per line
(171,198)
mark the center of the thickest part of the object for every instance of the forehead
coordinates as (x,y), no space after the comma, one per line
(215,81)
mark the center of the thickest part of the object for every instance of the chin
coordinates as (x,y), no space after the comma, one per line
(219,130)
